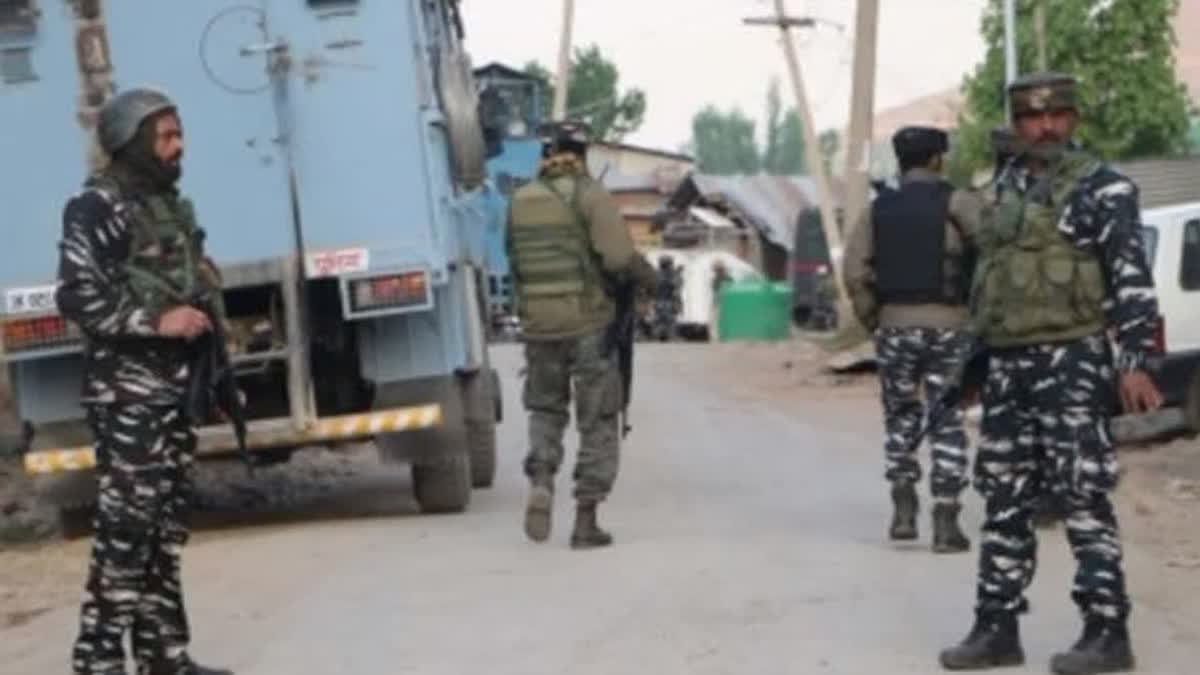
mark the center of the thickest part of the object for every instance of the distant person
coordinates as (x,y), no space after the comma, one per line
(907,271)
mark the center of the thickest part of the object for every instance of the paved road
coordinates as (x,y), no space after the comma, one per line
(749,540)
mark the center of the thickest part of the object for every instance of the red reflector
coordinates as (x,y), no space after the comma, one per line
(38,333)
(392,291)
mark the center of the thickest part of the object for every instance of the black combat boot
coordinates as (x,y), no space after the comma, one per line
(587,533)
(1103,648)
(904,519)
(947,537)
(539,507)
(994,641)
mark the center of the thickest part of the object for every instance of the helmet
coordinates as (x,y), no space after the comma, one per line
(565,136)
(124,113)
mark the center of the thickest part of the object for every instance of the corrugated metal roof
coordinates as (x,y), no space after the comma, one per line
(771,204)
(616,181)
(1163,182)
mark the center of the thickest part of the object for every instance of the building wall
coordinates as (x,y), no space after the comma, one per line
(636,161)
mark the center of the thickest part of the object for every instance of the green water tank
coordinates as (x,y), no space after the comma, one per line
(754,310)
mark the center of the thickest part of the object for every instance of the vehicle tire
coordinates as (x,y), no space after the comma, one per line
(499,397)
(481,440)
(77,521)
(1191,404)
(479,394)
(460,104)
(443,485)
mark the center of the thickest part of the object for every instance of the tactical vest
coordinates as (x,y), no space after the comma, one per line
(911,263)
(164,266)
(1033,285)
(557,280)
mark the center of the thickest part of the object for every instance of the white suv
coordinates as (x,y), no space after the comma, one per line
(1172,238)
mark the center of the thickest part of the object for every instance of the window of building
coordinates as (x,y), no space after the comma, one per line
(16,65)
(1189,262)
(17,16)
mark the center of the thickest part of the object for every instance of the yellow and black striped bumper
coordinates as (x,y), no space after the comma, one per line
(271,433)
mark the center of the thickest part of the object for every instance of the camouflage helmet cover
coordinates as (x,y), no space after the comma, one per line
(124,113)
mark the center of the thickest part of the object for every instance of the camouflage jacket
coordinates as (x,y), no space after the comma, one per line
(1103,217)
(125,359)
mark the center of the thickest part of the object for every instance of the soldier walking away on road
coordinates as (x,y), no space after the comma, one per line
(127,236)
(570,251)
(1061,262)
(907,271)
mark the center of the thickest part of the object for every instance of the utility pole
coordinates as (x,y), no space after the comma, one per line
(862,109)
(1039,28)
(812,154)
(564,61)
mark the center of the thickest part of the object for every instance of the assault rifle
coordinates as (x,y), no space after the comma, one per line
(620,336)
(212,381)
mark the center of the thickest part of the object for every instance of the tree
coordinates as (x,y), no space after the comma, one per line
(1121,53)
(829,142)
(593,95)
(724,142)
(784,152)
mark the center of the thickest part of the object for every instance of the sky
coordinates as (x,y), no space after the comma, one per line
(686,54)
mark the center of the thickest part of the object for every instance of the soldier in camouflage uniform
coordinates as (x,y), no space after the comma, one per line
(570,248)
(1061,265)
(907,273)
(127,236)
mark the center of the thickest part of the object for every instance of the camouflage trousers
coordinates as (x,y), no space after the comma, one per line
(1045,434)
(143,455)
(912,359)
(553,366)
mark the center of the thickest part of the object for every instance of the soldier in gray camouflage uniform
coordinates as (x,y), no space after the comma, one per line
(1062,265)
(126,233)
(907,271)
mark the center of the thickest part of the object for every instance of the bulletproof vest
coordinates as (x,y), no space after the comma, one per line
(552,257)
(1033,285)
(911,263)
(164,261)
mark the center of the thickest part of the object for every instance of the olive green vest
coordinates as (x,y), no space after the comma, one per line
(558,286)
(165,263)
(1032,285)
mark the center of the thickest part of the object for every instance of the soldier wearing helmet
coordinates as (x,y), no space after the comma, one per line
(907,271)
(570,250)
(130,251)
(1062,266)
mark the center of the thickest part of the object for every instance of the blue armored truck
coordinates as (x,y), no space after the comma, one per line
(336,159)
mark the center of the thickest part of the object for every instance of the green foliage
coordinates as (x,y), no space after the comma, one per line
(1132,104)
(593,94)
(829,142)
(724,142)
(784,152)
